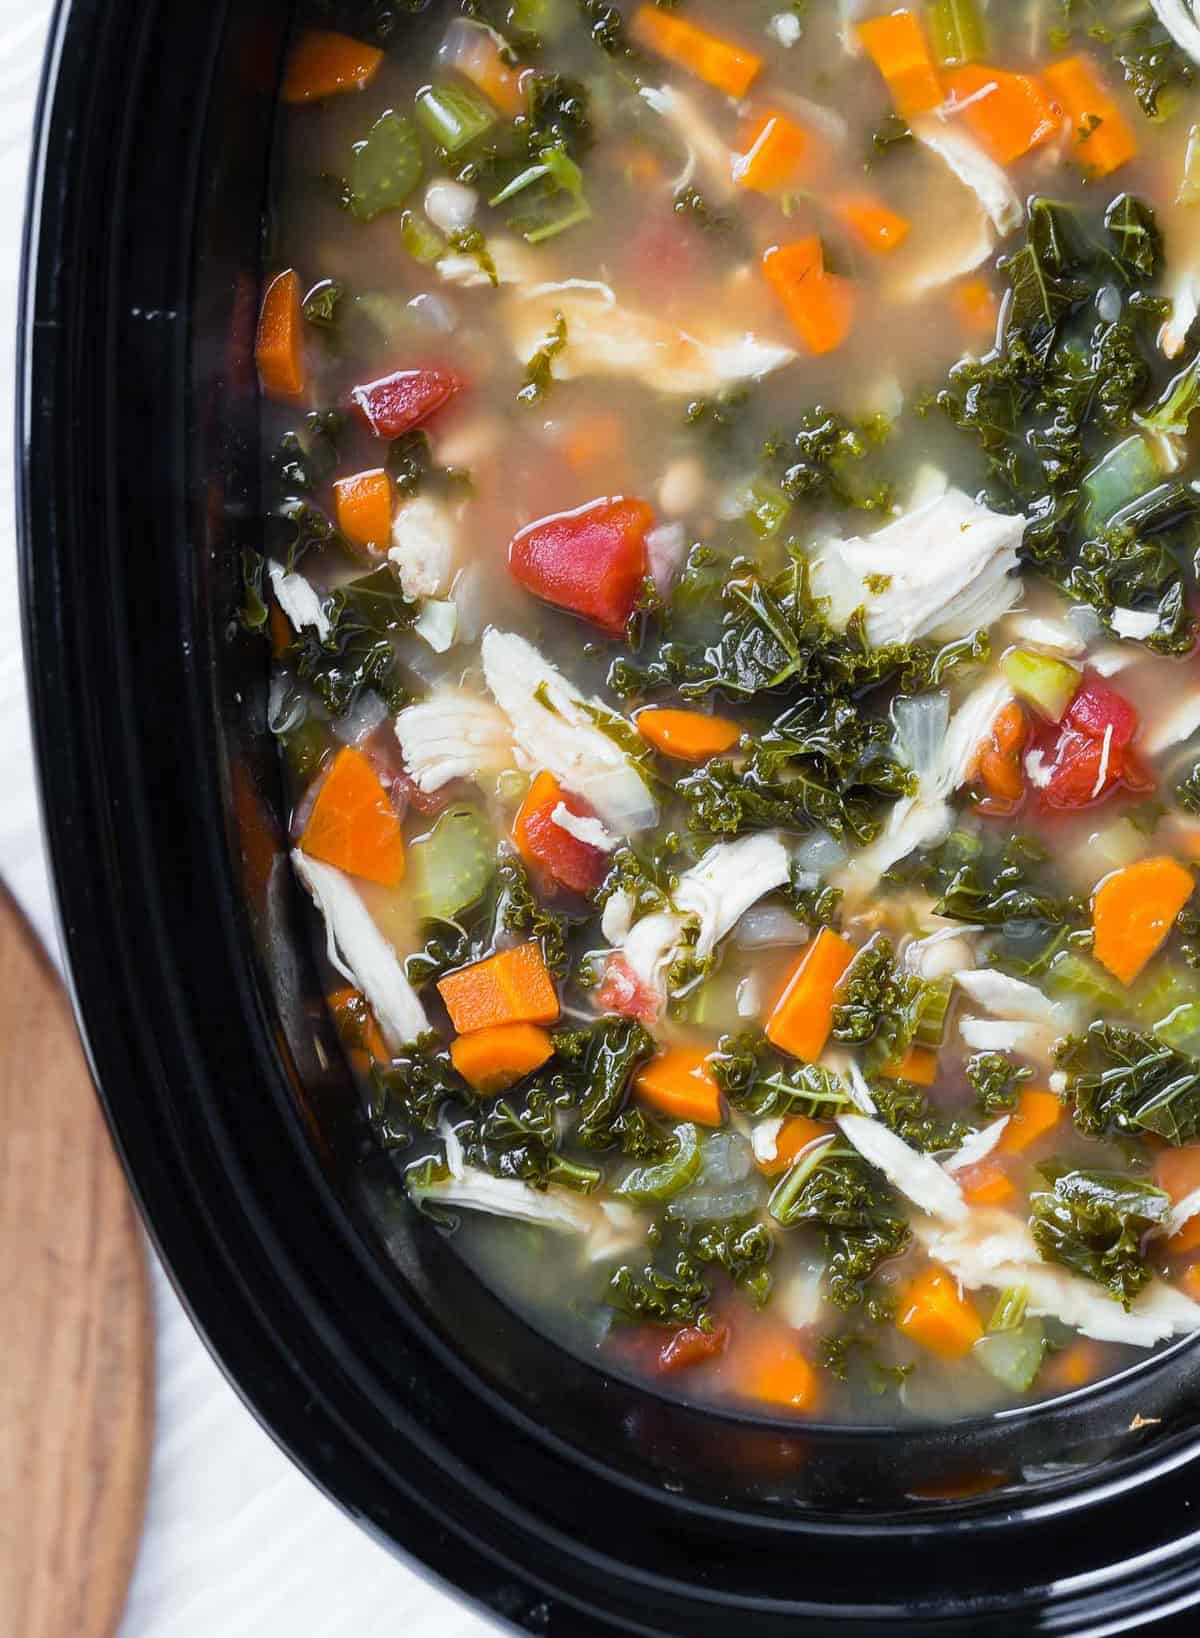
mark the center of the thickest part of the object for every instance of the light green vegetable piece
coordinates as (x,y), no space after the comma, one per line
(385,167)
(450,869)
(669,1177)
(1041,680)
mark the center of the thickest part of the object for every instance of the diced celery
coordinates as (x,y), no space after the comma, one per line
(385,167)
(544,18)
(957,30)
(1072,977)
(669,1176)
(453,115)
(1128,470)
(715,1005)
(767,508)
(1046,683)
(931,1020)
(1013,1357)
(1117,845)
(451,867)
(1169,1003)
(1189,186)
(421,239)
(1009,1312)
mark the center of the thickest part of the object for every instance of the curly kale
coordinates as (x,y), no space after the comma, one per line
(1001,892)
(858,1213)
(826,458)
(522,1139)
(1121,1081)
(359,653)
(672,1295)
(1187,792)
(518,910)
(996,1082)
(615,1050)
(760,1082)
(409,1094)
(881,1007)
(305,459)
(905,1110)
(742,1248)
(1094,1222)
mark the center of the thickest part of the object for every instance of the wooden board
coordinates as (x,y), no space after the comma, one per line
(76,1338)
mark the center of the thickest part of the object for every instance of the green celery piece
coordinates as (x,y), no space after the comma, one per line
(715,1006)
(453,116)
(385,167)
(666,1179)
(543,18)
(1128,470)
(451,868)
(1009,1312)
(930,1029)
(768,508)
(1013,1357)
(421,239)
(1169,1003)
(1072,977)
(958,32)
(1046,683)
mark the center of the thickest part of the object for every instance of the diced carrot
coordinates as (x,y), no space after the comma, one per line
(1103,137)
(986,1183)
(875,225)
(512,987)
(277,347)
(1011,114)
(819,304)
(802,1017)
(1036,1114)
(322,63)
(774,1371)
(678,1083)
(1010,729)
(976,305)
(796,1133)
(595,440)
(688,736)
(935,1314)
(353,825)
(357,1024)
(1002,777)
(491,1060)
(280,630)
(896,45)
(720,63)
(772,153)
(364,507)
(1133,911)
(1178,1172)
(1078,1364)
(919,1065)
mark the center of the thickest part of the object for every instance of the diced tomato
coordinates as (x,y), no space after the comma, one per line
(407,795)
(396,403)
(691,1346)
(591,561)
(1081,771)
(565,860)
(1096,707)
(623,991)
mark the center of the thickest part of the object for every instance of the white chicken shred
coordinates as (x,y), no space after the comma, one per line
(473,1189)
(583,828)
(1174,726)
(1179,20)
(1135,624)
(943,569)
(617,341)
(976,1146)
(918,1177)
(299,600)
(511,263)
(556,728)
(423,544)
(453,734)
(974,169)
(704,149)
(360,952)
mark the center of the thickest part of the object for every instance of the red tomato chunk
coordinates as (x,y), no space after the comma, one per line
(623,991)
(395,404)
(591,561)
(691,1346)
(1083,769)
(557,855)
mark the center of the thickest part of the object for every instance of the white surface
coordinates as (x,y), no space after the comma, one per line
(236,1541)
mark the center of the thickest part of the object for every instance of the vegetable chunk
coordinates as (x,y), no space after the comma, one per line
(513,987)
(591,562)
(934,1314)
(353,824)
(323,63)
(1133,911)
(492,1060)
(803,1016)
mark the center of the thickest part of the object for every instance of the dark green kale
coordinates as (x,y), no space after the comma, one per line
(518,910)
(539,372)
(907,1111)
(409,1094)
(522,1139)
(617,1047)
(359,653)
(840,1352)
(881,1007)
(306,458)
(665,1295)
(606,26)
(252,612)
(297,527)
(759,1081)
(691,203)
(1136,239)
(448,944)
(826,458)
(1094,1222)
(742,1248)
(859,1214)
(1121,1081)
(1154,68)
(892,135)
(718,417)
(320,305)
(410,465)
(996,1082)
(1007,892)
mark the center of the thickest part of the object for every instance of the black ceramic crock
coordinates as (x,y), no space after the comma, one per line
(567,1501)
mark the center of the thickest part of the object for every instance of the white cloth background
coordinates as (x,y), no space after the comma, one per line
(237,1542)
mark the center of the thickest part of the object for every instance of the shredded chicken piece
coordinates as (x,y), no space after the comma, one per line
(604,339)
(1178,18)
(514,263)
(976,1146)
(1174,726)
(942,570)
(583,828)
(453,735)
(473,1189)
(299,600)
(556,728)
(360,952)
(974,169)
(423,544)
(918,1177)
(704,148)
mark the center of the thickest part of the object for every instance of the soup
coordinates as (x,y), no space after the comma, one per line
(729,584)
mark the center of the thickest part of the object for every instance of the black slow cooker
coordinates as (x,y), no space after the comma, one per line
(564,1499)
